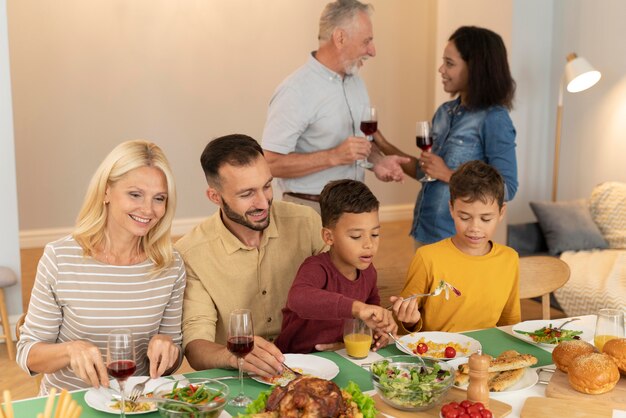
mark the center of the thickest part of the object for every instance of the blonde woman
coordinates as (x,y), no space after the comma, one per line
(116,270)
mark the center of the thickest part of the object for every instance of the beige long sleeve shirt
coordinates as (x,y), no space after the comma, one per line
(223,274)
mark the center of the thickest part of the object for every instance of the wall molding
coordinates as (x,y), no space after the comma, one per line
(36,238)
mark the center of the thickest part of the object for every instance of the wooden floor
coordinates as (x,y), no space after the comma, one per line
(392,262)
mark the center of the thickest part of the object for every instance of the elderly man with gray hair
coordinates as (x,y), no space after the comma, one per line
(312,133)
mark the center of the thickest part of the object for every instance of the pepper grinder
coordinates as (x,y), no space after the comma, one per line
(478,389)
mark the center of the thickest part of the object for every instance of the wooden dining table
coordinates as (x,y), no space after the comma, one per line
(493,341)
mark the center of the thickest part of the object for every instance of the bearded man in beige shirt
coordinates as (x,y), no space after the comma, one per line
(244,256)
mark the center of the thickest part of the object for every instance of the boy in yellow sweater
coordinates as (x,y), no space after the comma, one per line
(486,273)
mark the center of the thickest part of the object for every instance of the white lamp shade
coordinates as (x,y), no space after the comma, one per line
(580,75)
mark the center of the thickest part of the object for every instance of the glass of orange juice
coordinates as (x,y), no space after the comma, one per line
(609,325)
(358,338)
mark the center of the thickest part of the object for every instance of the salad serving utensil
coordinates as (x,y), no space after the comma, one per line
(401,344)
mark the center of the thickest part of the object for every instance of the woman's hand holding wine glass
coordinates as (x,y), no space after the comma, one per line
(424,141)
(240,343)
(121,359)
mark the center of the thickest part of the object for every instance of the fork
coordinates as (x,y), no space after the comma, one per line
(298,374)
(408,350)
(138,390)
(436,292)
(567,322)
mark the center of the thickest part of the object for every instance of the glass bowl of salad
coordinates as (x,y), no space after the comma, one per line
(191,398)
(404,382)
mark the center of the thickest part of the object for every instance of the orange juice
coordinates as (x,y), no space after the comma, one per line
(600,340)
(357,345)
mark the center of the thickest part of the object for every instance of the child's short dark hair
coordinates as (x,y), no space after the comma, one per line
(345,196)
(477,180)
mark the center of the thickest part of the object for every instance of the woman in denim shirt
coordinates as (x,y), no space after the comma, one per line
(474,126)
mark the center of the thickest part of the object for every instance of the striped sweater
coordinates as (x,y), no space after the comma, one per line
(79,298)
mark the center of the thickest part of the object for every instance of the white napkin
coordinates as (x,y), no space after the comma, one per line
(371,357)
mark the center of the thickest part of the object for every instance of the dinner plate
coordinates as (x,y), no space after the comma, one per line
(409,342)
(102,398)
(530,326)
(529,379)
(308,365)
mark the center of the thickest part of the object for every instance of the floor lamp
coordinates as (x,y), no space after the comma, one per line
(579,75)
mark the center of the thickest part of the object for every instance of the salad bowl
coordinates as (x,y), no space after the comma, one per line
(405,383)
(191,398)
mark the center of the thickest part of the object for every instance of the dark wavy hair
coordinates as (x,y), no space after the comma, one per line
(345,196)
(477,180)
(489,77)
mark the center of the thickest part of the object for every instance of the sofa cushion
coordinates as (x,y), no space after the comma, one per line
(568,226)
(608,210)
(526,238)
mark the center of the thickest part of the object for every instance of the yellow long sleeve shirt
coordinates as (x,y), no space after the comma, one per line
(489,286)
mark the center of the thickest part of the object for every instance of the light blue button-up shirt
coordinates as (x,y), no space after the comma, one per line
(461,135)
(315,109)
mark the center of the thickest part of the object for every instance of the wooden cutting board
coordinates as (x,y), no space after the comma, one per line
(499,409)
(559,387)
(550,407)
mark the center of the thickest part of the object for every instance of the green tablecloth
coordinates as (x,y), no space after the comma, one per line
(493,341)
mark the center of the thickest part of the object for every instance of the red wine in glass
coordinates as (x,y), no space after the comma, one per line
(240,346)
(122,369)
(424,142)
(240,342)
(369,127)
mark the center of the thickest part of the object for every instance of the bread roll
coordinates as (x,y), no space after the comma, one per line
(567,351)
(616,349)
(593,373)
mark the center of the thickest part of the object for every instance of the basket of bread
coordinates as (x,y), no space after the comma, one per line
(505,371)
(588,370)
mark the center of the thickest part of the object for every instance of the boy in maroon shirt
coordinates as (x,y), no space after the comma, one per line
(341,283)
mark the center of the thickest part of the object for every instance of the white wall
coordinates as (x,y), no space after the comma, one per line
(593,146)
(90,74)
(9,243)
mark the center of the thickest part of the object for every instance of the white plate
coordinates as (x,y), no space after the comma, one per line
(529,379)
(102,399)
(309,364)
(530,326)
(470,344)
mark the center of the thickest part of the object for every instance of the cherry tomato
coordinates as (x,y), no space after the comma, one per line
(475,415)
(479,405)
(464,415)
(486,413)
(453,413)
(421,348)
(466,404)
(450,352)
(455,405)
(473,409)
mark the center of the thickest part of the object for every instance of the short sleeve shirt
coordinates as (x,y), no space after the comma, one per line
(315,109)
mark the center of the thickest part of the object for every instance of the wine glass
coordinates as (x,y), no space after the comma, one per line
(609,325)
(424,141)
(121,359)
(240,343)
(369,125)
